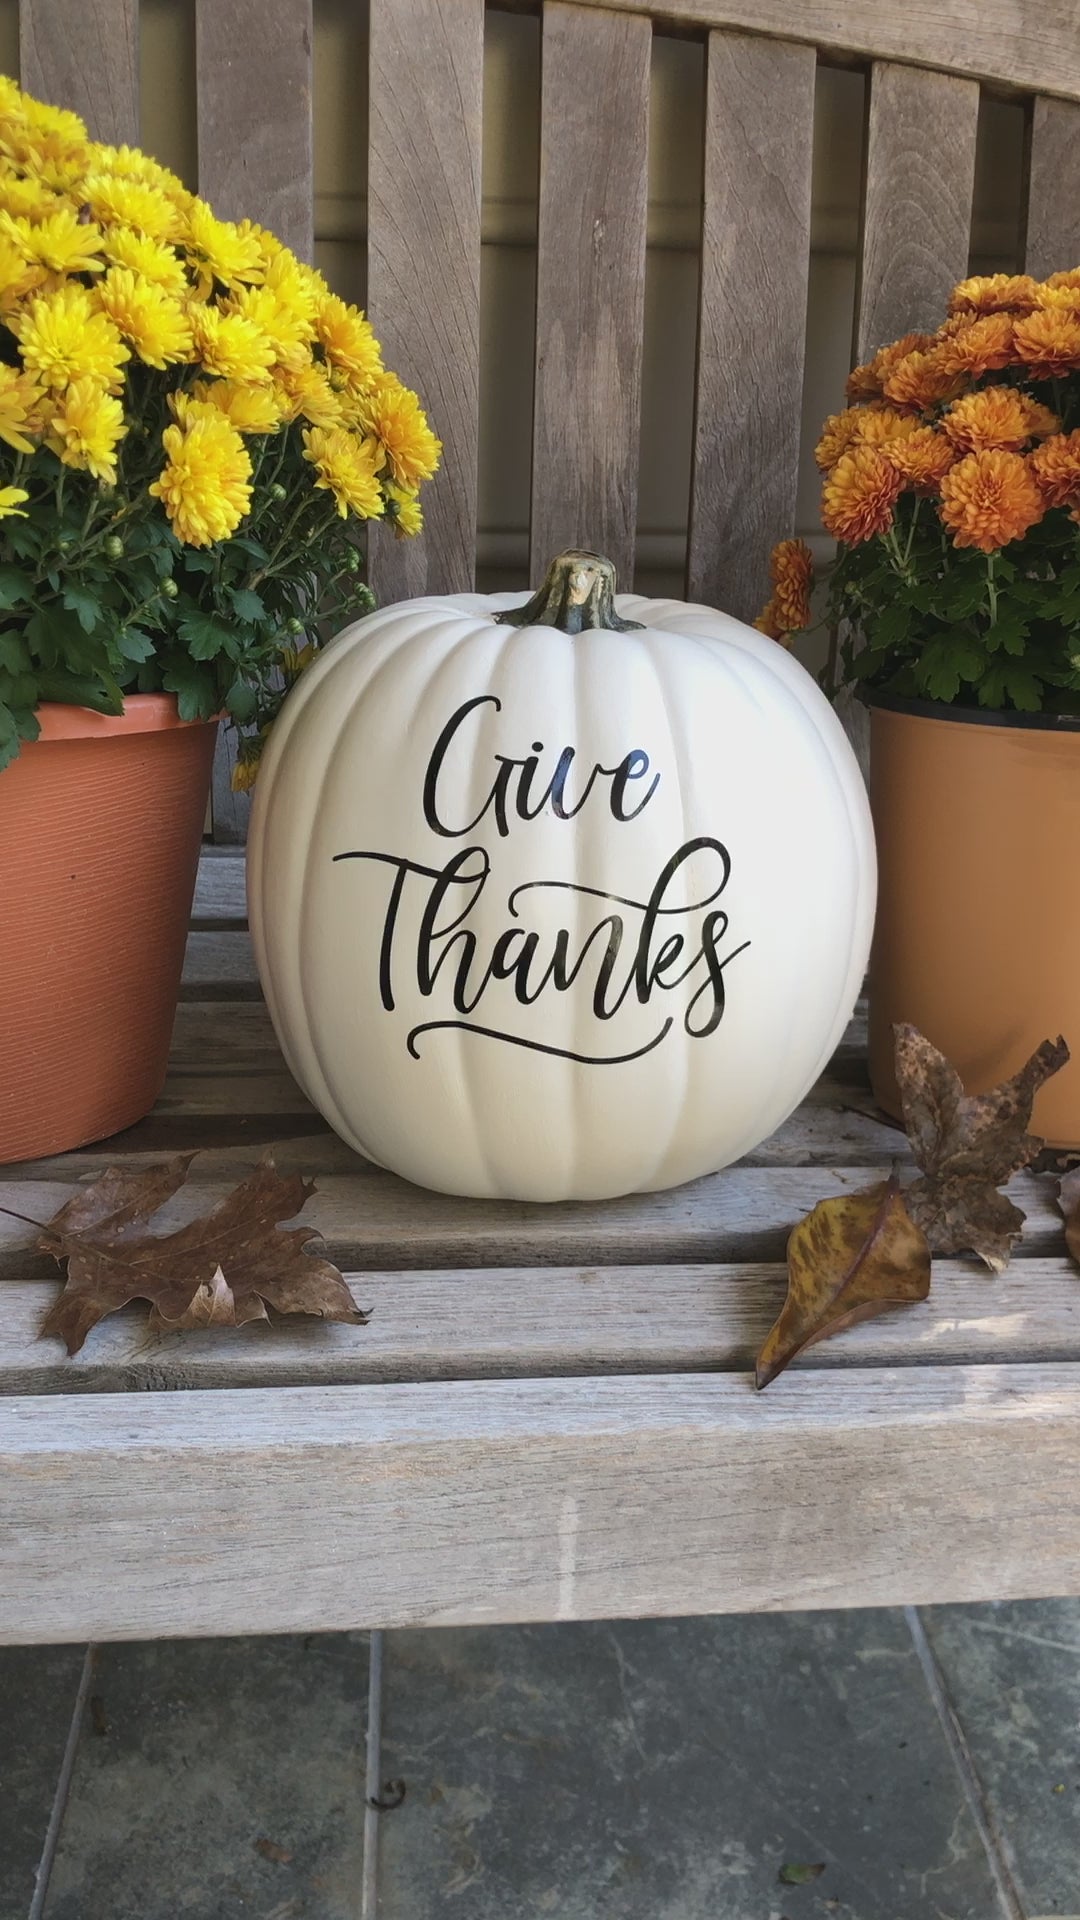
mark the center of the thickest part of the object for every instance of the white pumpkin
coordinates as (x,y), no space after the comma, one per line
(559,909)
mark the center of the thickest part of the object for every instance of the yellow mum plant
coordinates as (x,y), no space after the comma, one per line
(951,482)
(191,425)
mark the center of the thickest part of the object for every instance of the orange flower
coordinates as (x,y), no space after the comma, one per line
(872,425)
(976,346)
(1056,466)
(859,495)
(1062,298)
(1048,343)
(768,624)
(791,570)
(867,383)
(994,293)
(921,381)
(998,417)
(990,498)
(922,458)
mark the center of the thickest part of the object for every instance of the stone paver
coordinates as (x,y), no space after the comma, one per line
(196,1752)
(667,1770)
(1012,1673)
(37,1694)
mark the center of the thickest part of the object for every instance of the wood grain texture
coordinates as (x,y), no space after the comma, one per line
(590,288)
(519,1322)
(919,176)
(754,264)
(1025,45)
(373,1221)
(1053,199)
(426,86)
(295,1509)
(253,90)
(220,890)
(84,54)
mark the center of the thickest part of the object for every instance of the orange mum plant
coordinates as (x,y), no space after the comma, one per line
(952,486)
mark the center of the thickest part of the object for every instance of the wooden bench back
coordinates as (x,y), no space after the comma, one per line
(925,65)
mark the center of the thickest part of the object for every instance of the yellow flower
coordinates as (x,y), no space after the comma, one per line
(997,417)
(62,337)
(62,242)
(153,260)
(251,409)
(305,391)
(288,330)
(118,202)
(153,321)
(294,660)
(346,467)
(405,510)
(18,395)
(27,197)
(59,122)
(86,428)
(297,286)
(17,276)
(205,485)
(221,251)
(394,413)
(990,498)
(859,495)
(348,341)
(11,499)
(231,345)
(130,163)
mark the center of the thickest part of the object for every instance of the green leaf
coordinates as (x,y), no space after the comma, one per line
(242,702)
(1005,686)
(199,562)
(27,723)
(206,638)
(1009,633)
(14,652)
(195,687)
(19,689)
(9,736)
(84,605)
(944,662)
(247,605)
(796,1873)
(98,692)
(135,645)
(16,587)
(253,547)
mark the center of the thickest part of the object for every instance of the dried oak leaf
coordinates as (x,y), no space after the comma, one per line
(967,1145)
(1069,1202)
(852,1257)
(220,1270)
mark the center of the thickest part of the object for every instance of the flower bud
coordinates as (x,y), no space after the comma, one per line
(169,588)
(114,547)
(294,625)
(278,492)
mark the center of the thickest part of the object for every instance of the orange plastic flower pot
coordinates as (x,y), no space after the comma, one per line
(100,824)
(977,939)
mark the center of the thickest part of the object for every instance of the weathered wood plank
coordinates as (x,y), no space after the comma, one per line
(1053,198)
(293,1509)
(1030,46)
(220,966)
(754,264)
(220,890)
(253,87)
(85,57)
(426,86)
(374,1221)
(918,180)
(590,290)
(519,1323)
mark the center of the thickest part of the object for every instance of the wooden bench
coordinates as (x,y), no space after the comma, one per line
(550,1414)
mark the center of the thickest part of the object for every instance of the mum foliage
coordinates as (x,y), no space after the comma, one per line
(194,425)
(952,485)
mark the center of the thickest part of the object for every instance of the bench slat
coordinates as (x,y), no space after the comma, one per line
(377,1221)
(296,1509)
(220,890)
(590,293)
(515,1323)
(1053,200)
(426,87)
(916,222)
(759,130)
(85,58)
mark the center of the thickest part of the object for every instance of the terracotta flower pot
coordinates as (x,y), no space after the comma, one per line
(100,823)
(978,930)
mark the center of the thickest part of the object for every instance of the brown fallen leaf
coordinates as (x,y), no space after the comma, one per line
(967,1145)
(852,1257)
(272,1850)
(220,1270)
(1069,1202)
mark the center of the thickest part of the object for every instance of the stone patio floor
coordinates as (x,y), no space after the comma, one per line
(835,1766)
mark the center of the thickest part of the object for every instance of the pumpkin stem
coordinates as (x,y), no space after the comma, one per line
(578,593)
